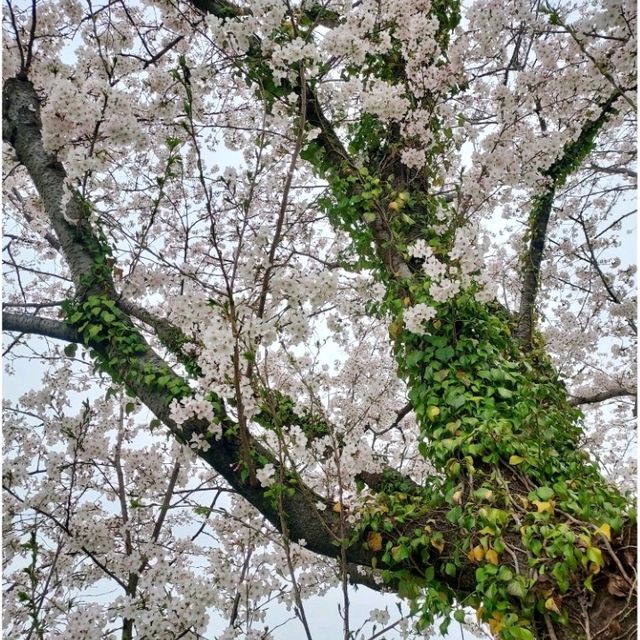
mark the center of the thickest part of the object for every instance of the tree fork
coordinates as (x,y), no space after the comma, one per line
(600,597)
(335,163)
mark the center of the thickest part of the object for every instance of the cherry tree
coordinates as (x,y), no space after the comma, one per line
(302,295)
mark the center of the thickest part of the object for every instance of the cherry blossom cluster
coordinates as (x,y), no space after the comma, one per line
(215,226)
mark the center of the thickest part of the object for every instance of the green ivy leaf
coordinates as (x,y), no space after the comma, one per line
(93,330)
(414,358)
(70,350)
(369,217)
(445,354)
(454,515)
(455,399)
(517,589)
(595,555)
(505,574)
(545,493)
(520,633)
(400,553)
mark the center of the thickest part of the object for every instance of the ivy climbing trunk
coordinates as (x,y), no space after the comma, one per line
(515,521)
(548,543)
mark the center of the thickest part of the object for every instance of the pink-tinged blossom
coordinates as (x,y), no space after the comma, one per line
(215,226)
(196,407)
(413,158)
(416,317)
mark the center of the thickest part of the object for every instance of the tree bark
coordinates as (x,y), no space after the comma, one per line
(605,610)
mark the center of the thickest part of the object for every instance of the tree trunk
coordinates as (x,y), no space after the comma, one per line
(515,522)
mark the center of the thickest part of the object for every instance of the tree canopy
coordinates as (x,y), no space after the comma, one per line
(321,294)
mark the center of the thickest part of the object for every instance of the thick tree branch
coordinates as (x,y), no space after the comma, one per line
(21,128)
(533,262)
(572,156)
(221,8)
(27,323)
(224,9)
(602,396)
(304,521)
(344,166)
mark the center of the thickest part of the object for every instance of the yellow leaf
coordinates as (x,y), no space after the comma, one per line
(374,541)
(495,626)
(438,544)
(495,623)
(476,554)
(433,412)
(457,497)
(605,530)
(395,329)
(543,506)
(406,301)
(492,557)
(550,605)
(524,501)
(513,460)
(453,468)
(584,540)
(337,507)
(453,427)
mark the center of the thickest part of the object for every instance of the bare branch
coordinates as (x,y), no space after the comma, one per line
(602,396)
(27,323)
(623,171)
